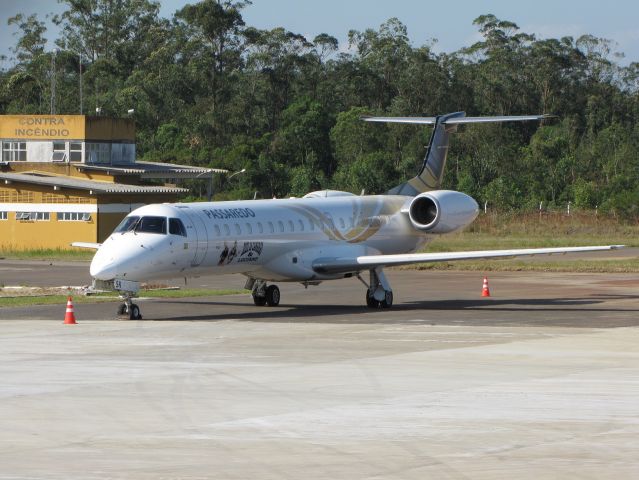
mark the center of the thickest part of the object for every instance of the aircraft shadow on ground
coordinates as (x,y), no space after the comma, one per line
(517,311)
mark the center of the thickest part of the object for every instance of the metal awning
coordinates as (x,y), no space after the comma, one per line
(94,187)
(152,170)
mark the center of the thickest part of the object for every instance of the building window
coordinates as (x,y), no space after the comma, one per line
(98,152)
(74,217)
(59,152)
(37,216)
(3,215)
(75,152)
(14,151)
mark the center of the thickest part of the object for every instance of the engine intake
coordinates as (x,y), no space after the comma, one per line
(424,212)
(442,211)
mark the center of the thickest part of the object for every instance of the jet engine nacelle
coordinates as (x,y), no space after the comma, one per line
(442,211)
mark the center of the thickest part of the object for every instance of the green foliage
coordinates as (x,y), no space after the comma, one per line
(208,89)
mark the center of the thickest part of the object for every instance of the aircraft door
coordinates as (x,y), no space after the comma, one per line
(198,238)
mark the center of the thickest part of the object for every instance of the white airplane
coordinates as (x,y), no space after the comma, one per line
(325,235)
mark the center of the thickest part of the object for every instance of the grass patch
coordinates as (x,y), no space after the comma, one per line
(531,230)
(496,231)
(25,301)
(76,254)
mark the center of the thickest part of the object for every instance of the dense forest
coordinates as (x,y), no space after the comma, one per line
(208,89)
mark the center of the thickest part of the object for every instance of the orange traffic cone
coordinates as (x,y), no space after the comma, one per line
(69,317)
(484,291)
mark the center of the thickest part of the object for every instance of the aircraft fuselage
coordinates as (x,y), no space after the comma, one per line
(266,239)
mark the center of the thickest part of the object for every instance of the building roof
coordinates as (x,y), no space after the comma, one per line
(146,170)
(61,182)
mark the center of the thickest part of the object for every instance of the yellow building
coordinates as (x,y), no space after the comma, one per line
(66,178)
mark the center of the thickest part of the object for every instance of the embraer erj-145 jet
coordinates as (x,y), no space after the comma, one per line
(325,235)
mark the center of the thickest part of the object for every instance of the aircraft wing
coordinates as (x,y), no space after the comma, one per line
(94,246)
(367,262)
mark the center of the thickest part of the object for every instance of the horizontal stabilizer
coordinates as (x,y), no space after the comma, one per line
(94,246)
(457,120)
(367,262)
(507,118)
(415,120)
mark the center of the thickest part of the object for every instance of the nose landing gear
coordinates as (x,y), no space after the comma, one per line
(128,310)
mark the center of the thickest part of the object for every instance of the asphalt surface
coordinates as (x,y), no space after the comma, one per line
(540,380)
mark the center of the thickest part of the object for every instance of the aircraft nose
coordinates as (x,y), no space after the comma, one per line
(102,270)
(103,266)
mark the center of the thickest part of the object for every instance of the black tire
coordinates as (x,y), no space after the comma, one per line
(121,310)
(134,314)
(272,296)
(259,301)
(388,300)
(370,301)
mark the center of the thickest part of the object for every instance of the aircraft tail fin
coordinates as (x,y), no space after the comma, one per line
(432,172)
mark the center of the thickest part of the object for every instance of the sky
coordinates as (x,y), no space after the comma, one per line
(449,22)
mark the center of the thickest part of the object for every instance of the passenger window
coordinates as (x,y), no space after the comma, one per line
(260,227)
(280,225)
(238,230)
(341,223)
(301,225)
(217,230)
(249,228)
(176,227)
(271,227)
(311,225)
(227,230)
(291,227)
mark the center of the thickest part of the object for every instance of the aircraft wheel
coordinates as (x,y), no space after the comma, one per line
(134,312)
(259,301)
(121,310)
(388,300)
(370,301)
(272,296)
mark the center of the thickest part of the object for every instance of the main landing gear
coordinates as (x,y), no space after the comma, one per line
(378,291)
(263,294)
(129,310)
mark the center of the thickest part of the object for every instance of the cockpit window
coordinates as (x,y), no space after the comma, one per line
(152,225)
(176,227)
(127,224)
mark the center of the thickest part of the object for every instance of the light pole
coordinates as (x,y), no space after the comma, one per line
(209,189)
(236,173)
